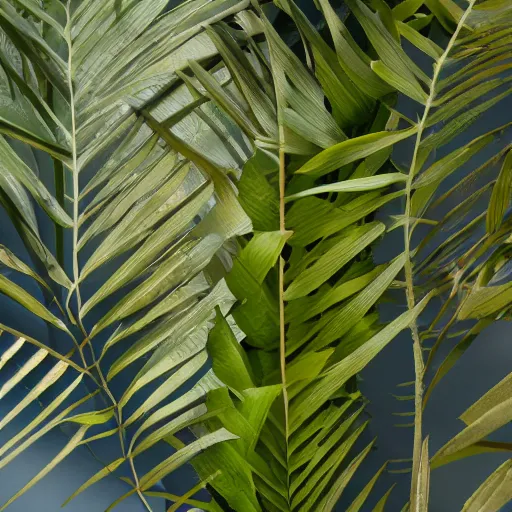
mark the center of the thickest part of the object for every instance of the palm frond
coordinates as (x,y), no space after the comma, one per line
(214,200)
(460,269)
(297,459)
(97,87)
(465,84)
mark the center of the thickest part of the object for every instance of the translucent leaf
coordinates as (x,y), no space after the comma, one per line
(355,185)
(494,493)
(353,149)
(501,194)
(182,457)
(24,298)
(70,446)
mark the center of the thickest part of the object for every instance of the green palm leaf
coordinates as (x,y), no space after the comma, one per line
(300,453)
(105,103)
(218,196)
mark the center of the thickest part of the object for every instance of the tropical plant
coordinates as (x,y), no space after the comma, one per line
(147,118)
(325,338)
(90,92)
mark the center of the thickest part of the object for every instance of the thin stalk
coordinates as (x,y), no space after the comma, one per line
(58,170)
(419,365)
(137,486)
(74,170)
(282,333)
(76,267)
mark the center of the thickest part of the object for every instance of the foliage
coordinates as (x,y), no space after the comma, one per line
(215,199)
(328,316)
(91,96)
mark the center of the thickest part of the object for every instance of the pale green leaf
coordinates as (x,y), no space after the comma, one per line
(174,333)
(207,383)
(184,420)
(192,256)
(486,301)
(420,499)
(406,9)
(450,163)
(216,93)
(184,499)
(102,473)
(425,44)
(48,380)
(354,185)
(45,413)
(382,502)
(171,384)
(351,243)
(501,195)
(494,397)
(13,168)
(494,493)
(151,248)
(12,261)
(70,446)
(410,88)
(92,418)
(11,351)
(182,457)
(474,449)
(24,298)
(177,301)
(139,222)
(30,236)
(490,421)
(353,149)
(32,363)
(356,505)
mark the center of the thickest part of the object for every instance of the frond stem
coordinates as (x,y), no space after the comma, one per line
(74,170)
(137,485)
(76,267)
(282,333)
(409,278)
